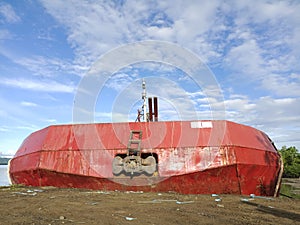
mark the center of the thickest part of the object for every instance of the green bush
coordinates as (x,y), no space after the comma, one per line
(291,162)
(3,161)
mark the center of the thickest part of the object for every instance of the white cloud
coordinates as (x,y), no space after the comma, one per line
(8,14)
(246,59)
(282,85)
(261,49)
(29,128)
(5,34)
(120,80)
(43,66)
(47,67)
(96,28)
(93,27)
(34,85)
(4,129)
(263,11)
(164,33)
(28,104)
(52,121)
(278,117)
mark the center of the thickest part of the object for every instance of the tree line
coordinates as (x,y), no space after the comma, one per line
(4,161)
(291,161)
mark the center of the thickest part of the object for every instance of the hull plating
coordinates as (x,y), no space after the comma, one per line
(193,157)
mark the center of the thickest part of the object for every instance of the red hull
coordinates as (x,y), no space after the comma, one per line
(193,157)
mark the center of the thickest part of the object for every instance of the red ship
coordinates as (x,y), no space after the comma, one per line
(189,157)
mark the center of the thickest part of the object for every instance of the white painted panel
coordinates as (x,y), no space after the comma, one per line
(200,124)
(206,124)
(196,124)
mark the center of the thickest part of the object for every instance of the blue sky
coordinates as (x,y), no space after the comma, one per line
(47,47)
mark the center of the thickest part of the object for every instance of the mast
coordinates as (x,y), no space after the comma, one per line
(144,97)
(152,116)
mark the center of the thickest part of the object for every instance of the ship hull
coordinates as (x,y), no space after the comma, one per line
(193,157)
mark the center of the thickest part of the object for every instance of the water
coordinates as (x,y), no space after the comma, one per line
(4,181)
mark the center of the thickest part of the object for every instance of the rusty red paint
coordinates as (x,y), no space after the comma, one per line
(195,157)
(150,109)
(155,108)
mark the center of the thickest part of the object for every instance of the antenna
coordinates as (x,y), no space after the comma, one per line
(153,114)
(144,97)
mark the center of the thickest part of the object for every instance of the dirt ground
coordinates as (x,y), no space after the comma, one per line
(24,205)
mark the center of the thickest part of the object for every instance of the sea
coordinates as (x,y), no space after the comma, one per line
(4,180)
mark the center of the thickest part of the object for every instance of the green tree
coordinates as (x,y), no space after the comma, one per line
(291,161)
(3,161)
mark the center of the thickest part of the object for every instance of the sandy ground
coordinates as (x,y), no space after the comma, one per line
(23,205)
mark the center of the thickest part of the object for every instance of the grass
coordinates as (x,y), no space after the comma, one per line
(287,190)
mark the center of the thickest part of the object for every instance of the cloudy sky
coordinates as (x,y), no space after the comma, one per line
(48,48)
